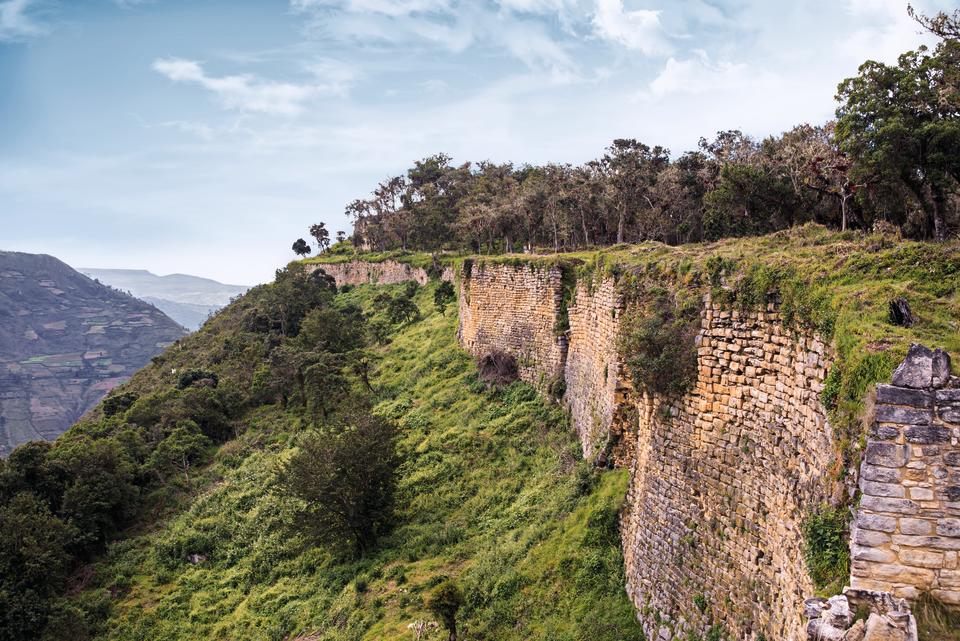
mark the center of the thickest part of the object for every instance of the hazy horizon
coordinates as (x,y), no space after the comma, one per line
(203,138)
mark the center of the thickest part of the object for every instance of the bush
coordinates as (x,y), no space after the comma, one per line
(825,546)
(445,601)
(659,347)
(497,368)
(345,476)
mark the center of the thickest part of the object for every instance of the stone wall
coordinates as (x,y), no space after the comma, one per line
(388,272)
(514,308)
(721,481)
(906,537)
(594,390)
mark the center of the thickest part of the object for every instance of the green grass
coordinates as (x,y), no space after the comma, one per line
(934,621)
(491,494)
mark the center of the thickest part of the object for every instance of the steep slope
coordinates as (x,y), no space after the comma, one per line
(189,300)
(491,492)
(65,341)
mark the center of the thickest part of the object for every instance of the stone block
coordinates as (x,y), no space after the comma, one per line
(885,454)
(949,414)
(948,527)
(921,494)
(915,526)
(928,434)
(877,555)
(893,395)
(889,506)
(892,490)
(952,459)
(884,432)
(881,474)
(930,542)
(903,415)
(916,371)
(870,538)
(876,522)
(947,396)
(921,558)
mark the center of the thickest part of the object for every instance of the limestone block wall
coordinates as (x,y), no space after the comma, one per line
(514,308)
(906,537)
(388,272)
(594,388)
(722,479)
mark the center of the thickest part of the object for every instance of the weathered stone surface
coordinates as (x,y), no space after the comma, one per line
(892,490)
(950,414)
(885,454)
(916,371)
(947,396)
(876,522)
(903,396)
(941,368)
(949,527)
(885,432)
(903,415)
(928,434)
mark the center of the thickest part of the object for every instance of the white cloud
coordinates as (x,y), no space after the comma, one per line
(638,29)
(16,23)
(247,92)
(699,74)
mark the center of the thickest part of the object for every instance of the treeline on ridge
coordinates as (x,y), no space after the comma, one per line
(892,155)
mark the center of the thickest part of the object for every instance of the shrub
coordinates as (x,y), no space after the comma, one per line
(659,347)
(191,376)
(825,546)
(445,601)
(118,403)
(443,296)
(497,368)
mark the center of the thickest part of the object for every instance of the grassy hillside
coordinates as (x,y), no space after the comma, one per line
(491,492)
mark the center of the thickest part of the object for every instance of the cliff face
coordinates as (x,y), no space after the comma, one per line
(65,341)
(721,478)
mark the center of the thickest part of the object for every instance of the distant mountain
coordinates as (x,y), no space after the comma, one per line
(189,300)
(65,341)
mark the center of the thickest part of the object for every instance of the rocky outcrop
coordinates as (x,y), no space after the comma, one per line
(906,536)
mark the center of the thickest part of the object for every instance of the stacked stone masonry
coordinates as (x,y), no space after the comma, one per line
(906,537)
(594,385)
(514,309)
(388,272)
(721,479)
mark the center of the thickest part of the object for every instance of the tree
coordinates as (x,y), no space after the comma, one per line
(401,309)
(443,296)
(34,561)
(345,478)
(341,236)
(321,235)
(445,602)
(901,124)
(183,448)
(300,247)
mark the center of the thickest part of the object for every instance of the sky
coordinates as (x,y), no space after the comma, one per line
(204,136)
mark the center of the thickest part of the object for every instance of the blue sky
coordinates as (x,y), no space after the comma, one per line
(204,136)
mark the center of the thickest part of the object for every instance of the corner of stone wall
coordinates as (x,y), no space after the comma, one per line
(906,535)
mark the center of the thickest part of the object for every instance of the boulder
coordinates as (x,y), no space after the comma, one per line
(916,370)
